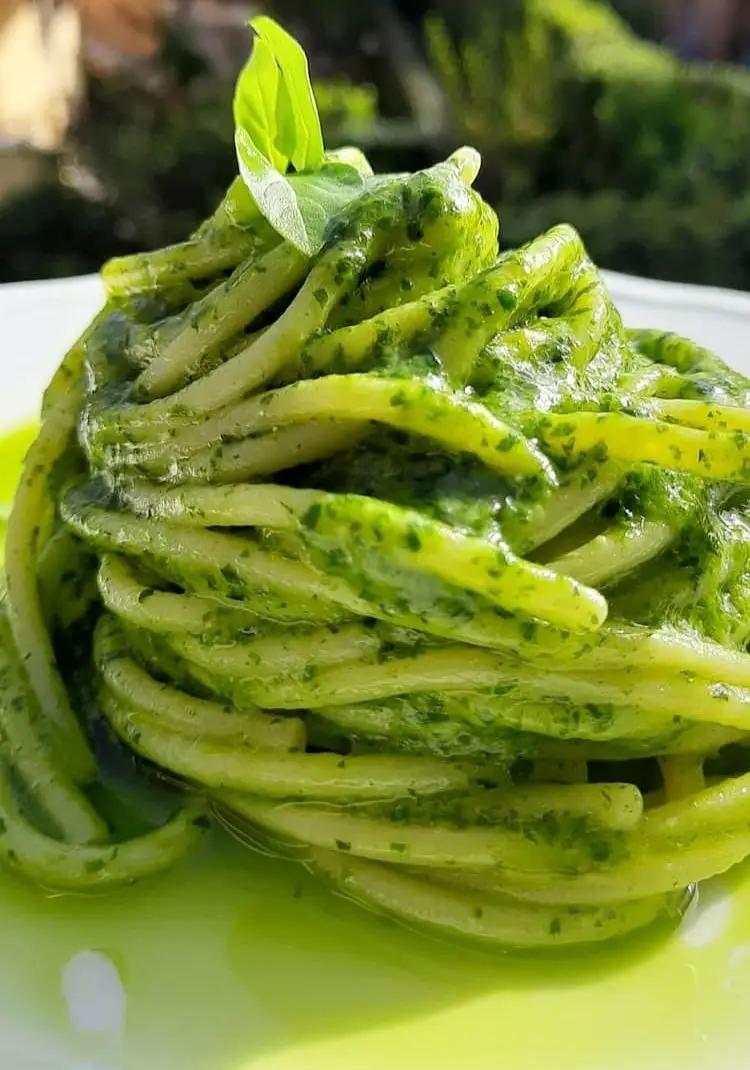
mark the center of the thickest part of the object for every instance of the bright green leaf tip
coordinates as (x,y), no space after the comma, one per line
(277,124)
(354,157)
(467,161)
(298,123)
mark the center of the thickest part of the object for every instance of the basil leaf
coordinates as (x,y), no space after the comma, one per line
(256,103)
(274,102)
(322,194)
(297,122)
(298,206)
(277,124)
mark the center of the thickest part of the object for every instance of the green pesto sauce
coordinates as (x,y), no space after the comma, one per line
(286,963)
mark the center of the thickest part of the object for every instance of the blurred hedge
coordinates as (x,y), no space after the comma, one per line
(576,117)
(707,243)
(648,156)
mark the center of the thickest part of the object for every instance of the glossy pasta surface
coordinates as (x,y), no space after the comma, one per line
(404,558)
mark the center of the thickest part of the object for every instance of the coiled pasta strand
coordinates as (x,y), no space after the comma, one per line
(360,548)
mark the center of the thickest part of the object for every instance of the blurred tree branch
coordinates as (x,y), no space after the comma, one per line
(419,85)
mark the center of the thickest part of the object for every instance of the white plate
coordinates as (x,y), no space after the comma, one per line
(221,965)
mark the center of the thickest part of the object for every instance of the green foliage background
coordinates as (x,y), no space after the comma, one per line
(576,117)
(581,120)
